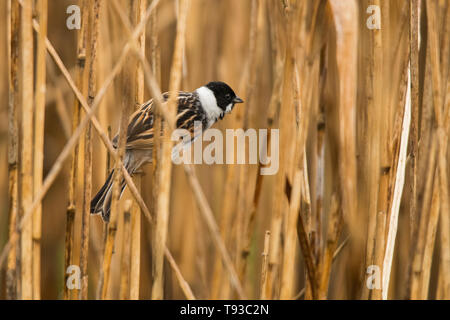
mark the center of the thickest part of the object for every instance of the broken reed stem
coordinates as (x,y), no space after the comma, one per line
(165,169)
(13,28)
(94,11)
(38,162)
(138,12)
(26,169)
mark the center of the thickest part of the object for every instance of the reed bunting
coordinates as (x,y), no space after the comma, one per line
(206,104)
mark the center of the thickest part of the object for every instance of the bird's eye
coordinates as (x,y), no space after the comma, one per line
(228,96)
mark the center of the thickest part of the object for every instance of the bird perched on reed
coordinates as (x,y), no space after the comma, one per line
(206,105)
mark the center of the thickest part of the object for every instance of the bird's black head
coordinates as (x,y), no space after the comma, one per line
(225,96)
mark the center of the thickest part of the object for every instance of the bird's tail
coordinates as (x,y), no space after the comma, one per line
(101,203)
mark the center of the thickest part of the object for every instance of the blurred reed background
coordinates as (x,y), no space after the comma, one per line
(363,179)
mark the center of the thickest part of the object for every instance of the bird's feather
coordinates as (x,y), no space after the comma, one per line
(140,127)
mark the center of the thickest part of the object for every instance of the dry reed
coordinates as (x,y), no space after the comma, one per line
(363,115)
(13,145)
(26,168)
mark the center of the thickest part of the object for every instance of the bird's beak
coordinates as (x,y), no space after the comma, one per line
(238,100)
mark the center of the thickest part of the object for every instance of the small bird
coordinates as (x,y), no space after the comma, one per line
(207,104)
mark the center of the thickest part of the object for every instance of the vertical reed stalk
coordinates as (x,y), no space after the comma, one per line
(414,20)
(75,170)
(376,293)
(138,13)
(26,170)
(154,89)
(162,212)
(38,164)
(135,256)
(322,62)
(256,30)
(126,253)
(156,70)
(99,290)
(374,109)
(13,143)
(94,11)
(109,248)
(68,250)
(241,215)
(442,138)
(220,285)
(286,114)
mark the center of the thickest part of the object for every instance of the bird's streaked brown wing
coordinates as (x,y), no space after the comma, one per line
(140,127)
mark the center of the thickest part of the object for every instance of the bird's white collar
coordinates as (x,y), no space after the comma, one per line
(209,104)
